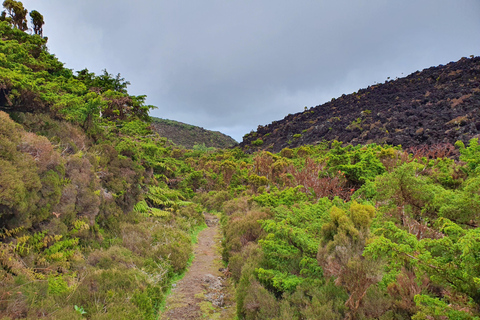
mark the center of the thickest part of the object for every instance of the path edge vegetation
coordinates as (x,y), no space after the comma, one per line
(97,211)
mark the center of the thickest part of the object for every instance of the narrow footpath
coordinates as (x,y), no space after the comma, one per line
(204,292)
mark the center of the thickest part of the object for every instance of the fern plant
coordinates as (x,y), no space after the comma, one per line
(143,208)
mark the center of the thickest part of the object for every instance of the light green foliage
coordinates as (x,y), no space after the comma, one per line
(346,228)
(470,154)
(257,142)
(288,196)
(341,253)
(434,308)
(406,188)
(418,195)
(281,281)
(57,285)
(291,245)
(448,173)
(203,148)
(448,261)
(355,124)
(361,215)
(143,208)
(287,153)
(359,163)
(257,181)
(460,205)
(80,310)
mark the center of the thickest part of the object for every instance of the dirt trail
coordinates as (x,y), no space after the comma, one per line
(204,292)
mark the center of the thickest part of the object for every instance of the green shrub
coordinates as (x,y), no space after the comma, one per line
(174,246)
(257,142)
(470,154)
(359,164)
(287,153)
(114,257)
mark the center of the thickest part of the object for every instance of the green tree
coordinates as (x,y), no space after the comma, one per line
(104,82)
(3,17)
(38,22)
(17,13)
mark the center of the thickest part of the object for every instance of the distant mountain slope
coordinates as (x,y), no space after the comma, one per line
(438,104)
(188,135)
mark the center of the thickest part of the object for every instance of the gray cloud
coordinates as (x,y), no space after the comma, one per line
(234,65)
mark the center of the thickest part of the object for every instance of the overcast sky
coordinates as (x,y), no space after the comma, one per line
(231,65)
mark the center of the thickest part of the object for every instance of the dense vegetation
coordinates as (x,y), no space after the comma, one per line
(89,227)
(364,232)
(98,212)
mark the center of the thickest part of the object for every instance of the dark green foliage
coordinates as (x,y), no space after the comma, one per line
(17,14)
(38,22)
(104,82)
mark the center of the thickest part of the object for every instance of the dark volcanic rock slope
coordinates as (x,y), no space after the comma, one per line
(436,105)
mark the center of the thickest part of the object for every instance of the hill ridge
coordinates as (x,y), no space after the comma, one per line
(435,105)
(188,135)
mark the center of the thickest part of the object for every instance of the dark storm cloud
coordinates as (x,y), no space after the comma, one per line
(232,65)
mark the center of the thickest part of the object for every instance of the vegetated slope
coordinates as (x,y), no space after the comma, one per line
(436,105)
(97,212)
(188,135)
(88,224)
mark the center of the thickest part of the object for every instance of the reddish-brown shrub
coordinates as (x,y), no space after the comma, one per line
(404,290)
(311,177)
(41,150)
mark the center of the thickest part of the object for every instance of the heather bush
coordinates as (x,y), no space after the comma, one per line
(158,242)
(214,200)
(114,257)
(237,260)
(237,204)
(241,228)
(326,301)
(123,290)
(259,303)
(174,246)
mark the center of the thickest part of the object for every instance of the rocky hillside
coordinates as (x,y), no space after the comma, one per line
(188,135)
(436,105)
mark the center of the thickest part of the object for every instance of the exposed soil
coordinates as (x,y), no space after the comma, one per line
(434,106)
(204,292)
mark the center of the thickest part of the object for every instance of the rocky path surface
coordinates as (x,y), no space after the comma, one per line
(204,292)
